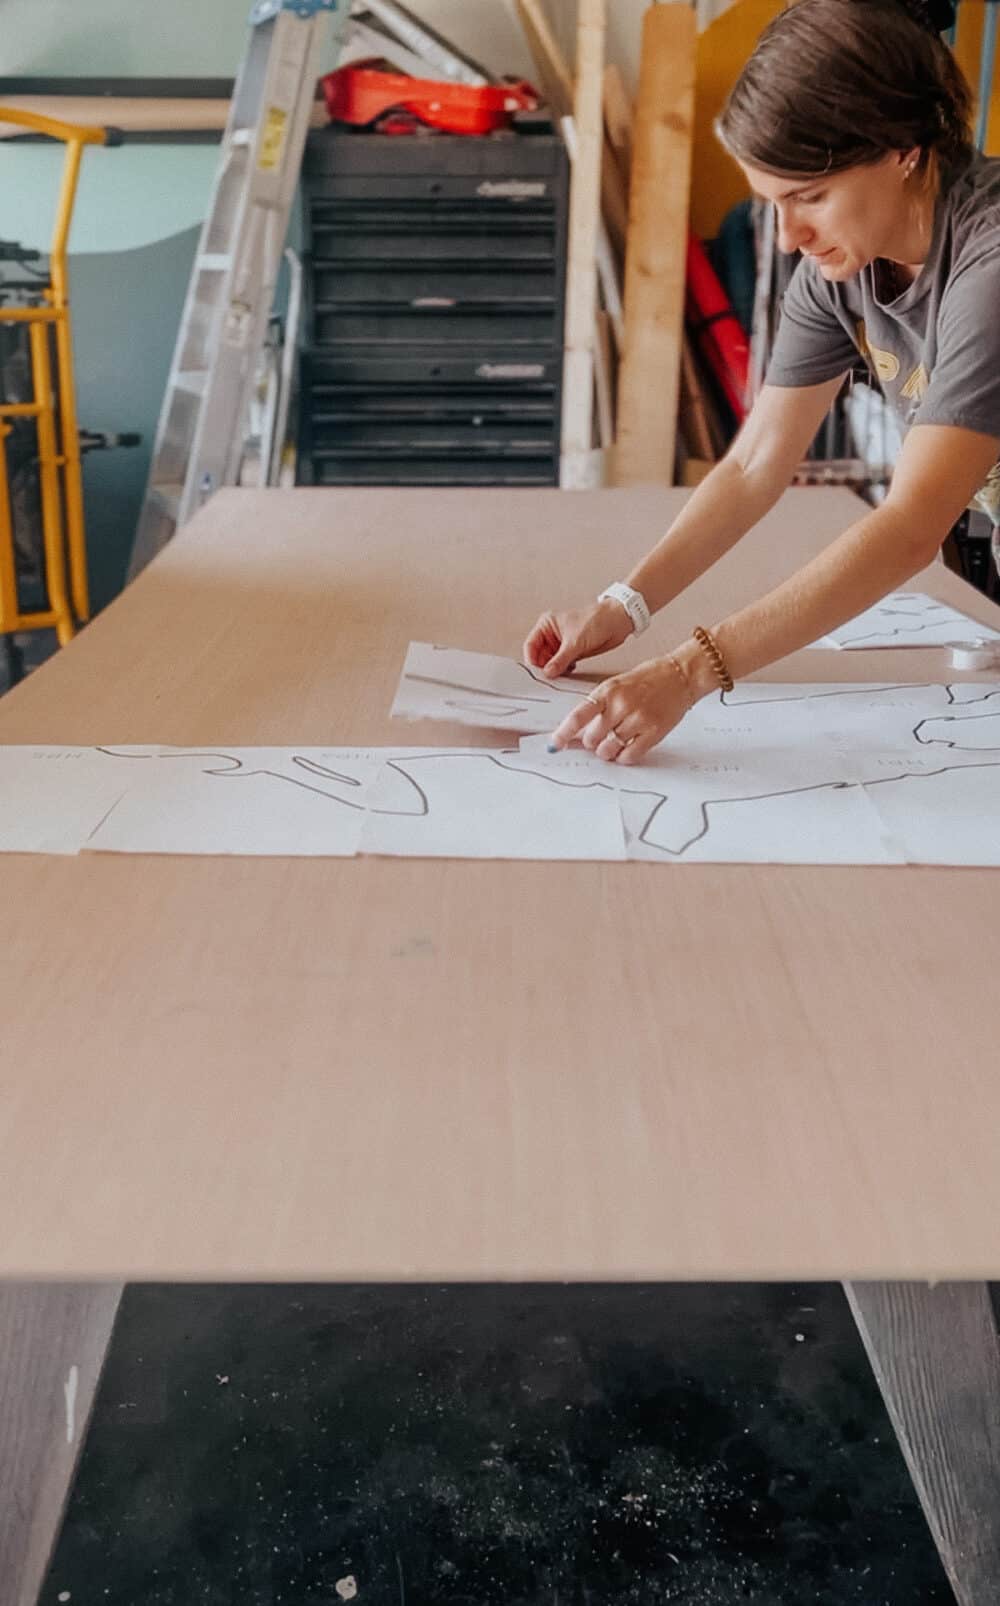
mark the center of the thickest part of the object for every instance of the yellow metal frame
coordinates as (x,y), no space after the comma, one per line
(60,477)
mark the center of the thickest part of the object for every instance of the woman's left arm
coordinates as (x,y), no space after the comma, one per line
(939,470)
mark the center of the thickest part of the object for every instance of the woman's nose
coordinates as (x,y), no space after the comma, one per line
(792,235)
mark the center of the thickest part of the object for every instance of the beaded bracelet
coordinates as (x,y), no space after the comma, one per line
(709,645)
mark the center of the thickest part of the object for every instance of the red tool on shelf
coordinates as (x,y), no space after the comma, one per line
(363,94)
(717,329)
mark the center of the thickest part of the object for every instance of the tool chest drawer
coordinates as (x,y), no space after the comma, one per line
(385,234)
(407,419)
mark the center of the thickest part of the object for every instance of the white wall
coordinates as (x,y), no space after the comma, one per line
(624,35)
(134,195)
(118,39)
(202,38)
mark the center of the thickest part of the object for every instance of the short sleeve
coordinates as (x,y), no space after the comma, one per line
(811,345)
(964,387)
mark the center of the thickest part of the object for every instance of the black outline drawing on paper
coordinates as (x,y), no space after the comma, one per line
(702,810)
(916,611)
(487,701)
(984,743)
(424,808)
(671,825)
(585,781)
(237,769)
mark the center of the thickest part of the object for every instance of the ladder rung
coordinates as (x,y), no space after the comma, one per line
(214,261)
(241,137)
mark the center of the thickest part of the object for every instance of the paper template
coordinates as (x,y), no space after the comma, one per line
(476,688)
(474,803)
(817,775)
(825,774)
(908,619)
(257,801)
(283,801)
(52,798)
(946,808)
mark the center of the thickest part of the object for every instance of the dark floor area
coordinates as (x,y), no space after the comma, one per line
(479,1445)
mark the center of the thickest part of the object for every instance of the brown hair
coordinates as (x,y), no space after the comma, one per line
(834,84)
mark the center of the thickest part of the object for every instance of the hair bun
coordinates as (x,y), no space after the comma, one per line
(936,15)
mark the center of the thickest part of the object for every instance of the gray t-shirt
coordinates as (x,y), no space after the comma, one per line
(935,349)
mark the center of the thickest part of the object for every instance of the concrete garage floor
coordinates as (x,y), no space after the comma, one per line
(478,1445)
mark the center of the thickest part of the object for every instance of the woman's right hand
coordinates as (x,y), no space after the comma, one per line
(559,640)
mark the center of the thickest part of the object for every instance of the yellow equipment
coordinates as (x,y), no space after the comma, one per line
(60,480)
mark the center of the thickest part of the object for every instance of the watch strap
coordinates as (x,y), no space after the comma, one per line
(632,601)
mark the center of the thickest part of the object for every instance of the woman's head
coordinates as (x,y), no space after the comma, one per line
(843,117)
(836,84)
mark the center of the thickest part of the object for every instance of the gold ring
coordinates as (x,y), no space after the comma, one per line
(624,740)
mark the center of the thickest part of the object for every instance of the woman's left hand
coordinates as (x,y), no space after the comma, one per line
(626,715)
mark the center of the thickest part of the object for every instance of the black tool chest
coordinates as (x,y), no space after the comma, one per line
(435,278)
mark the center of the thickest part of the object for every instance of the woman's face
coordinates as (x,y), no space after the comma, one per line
(842,220)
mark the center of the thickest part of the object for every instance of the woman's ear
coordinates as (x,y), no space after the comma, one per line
(909,161)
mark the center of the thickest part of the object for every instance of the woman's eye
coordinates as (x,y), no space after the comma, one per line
(811,200)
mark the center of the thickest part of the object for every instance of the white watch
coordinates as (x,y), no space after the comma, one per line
(632,601)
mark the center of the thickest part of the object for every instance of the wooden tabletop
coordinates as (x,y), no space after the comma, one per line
(412,1068)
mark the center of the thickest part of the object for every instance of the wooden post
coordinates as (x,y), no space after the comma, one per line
(933,1349)
(556,83)
(557,86)
(608,274)
(649,382)
(577,468)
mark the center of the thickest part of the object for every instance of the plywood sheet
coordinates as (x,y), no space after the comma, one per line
(442,1069)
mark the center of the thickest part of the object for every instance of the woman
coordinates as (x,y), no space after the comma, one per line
(852,119)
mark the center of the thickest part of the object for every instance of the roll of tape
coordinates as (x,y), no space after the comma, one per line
(975,654)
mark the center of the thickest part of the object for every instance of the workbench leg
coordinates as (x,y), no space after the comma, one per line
(53,1340)
(935,1354)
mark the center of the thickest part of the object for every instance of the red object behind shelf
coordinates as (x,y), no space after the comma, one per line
(718,331)
(360,94)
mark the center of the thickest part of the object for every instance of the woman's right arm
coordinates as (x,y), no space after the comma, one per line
(730,500)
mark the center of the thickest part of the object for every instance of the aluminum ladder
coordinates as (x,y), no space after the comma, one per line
(387,29)
(199,439)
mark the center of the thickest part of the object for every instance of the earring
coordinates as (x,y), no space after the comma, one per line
(910,168)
